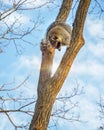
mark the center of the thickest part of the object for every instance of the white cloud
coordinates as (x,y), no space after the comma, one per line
(16,18)
(89,67)
(97,49)
(95,27)
(11,16)
(28,62)
(89,113)
(27,3)
(92,92)
(35,3)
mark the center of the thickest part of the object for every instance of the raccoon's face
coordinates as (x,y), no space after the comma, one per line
(55,41)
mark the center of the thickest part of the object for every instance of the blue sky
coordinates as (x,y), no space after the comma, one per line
(87,70)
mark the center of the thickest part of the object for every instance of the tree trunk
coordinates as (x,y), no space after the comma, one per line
(48,87)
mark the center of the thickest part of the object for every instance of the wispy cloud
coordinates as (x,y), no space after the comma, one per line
(16,18)
(95,27)
(91,68)
(28,62)
(89,113)
(97,49)
(27,3)
(35,3)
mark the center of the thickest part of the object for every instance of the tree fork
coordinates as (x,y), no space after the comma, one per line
(48,87)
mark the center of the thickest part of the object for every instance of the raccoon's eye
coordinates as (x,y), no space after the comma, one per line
(55,37)
(50,37)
